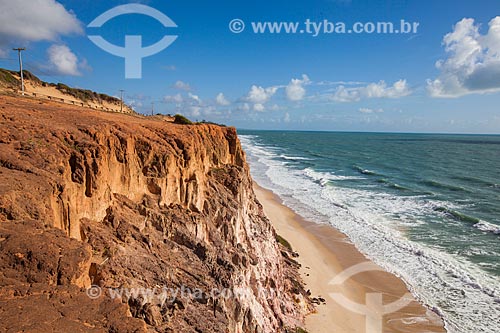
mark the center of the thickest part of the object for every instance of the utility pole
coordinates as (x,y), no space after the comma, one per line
(152,108)
(19,49)
(121,99)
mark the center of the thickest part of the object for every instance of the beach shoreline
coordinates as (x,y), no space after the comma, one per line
(324,254)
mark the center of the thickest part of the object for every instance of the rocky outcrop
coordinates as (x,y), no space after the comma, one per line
(125,202)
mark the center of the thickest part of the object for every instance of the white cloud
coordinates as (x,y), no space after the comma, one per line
(286,118)
(134,103)
(210,110)
(84,65)
(260,95)
(367,110)
(380,90)
(343,94)
(373,90)
(244,107)
(177,98)
(258,107)
(295,90)
(221,100)
(473,62)
(182,85)
(62,60)
(195,98)
(336,83)
(195,111)
(35,20)
(275,107)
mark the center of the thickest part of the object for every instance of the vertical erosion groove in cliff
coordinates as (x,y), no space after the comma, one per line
(128,202)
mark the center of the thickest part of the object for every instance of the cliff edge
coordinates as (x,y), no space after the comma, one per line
(159,218)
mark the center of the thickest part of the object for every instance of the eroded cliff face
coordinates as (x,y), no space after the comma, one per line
(125,202)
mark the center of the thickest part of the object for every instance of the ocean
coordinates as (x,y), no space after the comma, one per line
(426,207)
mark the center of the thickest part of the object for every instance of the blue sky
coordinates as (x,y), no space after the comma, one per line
(417,82)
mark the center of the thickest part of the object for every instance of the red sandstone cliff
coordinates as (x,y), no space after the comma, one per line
(123,201)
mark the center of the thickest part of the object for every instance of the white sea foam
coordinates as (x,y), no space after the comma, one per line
(487,227)
(465,295)
(294,158)
(324,177)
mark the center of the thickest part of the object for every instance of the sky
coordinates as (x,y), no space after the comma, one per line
(442,77)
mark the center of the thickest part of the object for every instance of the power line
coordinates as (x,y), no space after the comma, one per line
(38,66)
(19,50)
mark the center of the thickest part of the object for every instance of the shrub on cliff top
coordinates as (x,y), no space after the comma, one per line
(295,330)
(7,77)
(180,119)
(210,123)
(85,94)
(283,242)
(31,77)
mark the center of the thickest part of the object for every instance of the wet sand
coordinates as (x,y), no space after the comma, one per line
(325,255)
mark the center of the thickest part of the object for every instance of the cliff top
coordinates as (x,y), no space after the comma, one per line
(40,112)
(10,81)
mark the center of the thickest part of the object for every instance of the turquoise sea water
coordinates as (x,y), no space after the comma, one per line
(425,207)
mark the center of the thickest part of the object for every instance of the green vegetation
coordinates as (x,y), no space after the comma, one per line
(85,94)
(29,76)
(7,77)
(107,253)
(10,78)
(295,330)
(283,242)
(210,123)
(180,119)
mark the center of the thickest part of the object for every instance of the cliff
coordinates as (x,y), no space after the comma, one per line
(123,202)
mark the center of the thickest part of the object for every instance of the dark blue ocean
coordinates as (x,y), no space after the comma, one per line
(424,206)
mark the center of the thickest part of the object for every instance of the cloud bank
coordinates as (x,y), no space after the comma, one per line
(35,20)
(295,90)
(373,90)
(63,61)
(473,61)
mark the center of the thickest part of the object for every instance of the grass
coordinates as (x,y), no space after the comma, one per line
(180,119)
(29,76)
(7,77)
(295,330)
(210,123)
(85,94)
(284,242)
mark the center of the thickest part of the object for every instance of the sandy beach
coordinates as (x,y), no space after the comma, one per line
(324,253)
